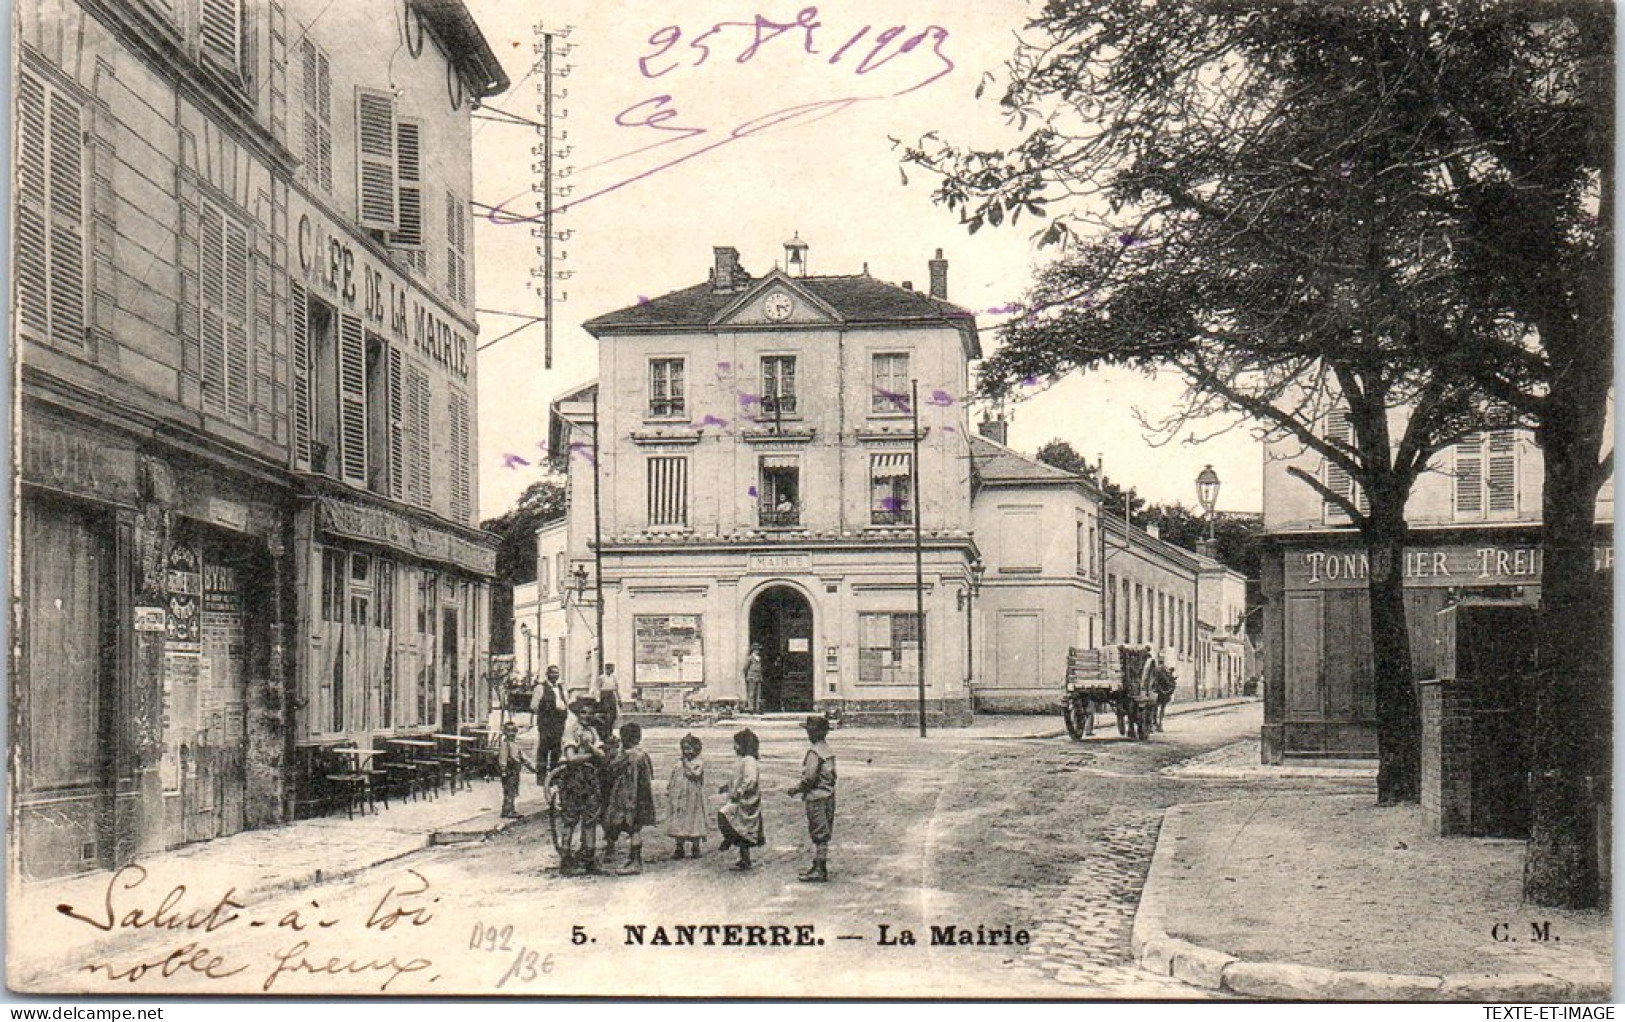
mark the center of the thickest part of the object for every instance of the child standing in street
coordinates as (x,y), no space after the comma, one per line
(580,793)
(509,763)
(817,792)
(741,819)
(631,803)
(688,821)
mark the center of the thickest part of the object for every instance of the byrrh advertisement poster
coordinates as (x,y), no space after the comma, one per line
(1044,501)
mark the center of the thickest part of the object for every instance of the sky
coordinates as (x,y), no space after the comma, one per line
(685,126)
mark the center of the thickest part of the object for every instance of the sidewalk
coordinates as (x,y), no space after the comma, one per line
(282,858)
(1331,897)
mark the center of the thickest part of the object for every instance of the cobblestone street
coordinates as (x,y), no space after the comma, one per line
(989,830)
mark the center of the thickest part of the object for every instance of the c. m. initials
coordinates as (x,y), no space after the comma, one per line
(1539,933)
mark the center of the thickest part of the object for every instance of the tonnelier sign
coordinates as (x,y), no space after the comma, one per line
(1465,565)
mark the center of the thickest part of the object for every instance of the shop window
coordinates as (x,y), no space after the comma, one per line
(666,388)
(668,491)
(49,235)
(888,648)
(889,382)
(778,386)
(780,491)
(891,489)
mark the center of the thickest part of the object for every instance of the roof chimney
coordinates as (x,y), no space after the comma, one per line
(939,276)
(726,274)
(996,430)
(908,285)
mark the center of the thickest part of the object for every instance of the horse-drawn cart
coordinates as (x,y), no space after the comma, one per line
(1123,678)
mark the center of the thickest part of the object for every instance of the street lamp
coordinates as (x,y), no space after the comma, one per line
(579,576)
(1207,494)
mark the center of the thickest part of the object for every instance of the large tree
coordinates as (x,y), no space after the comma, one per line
(1372,215)
(546,500)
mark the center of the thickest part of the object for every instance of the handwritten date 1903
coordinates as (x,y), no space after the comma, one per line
(750,37)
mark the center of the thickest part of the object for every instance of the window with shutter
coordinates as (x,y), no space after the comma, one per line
(409,170)
(1470,476)
(220,35)
(1487,475)
(890,382)
(419,490)
(456,249)
(1340,430)
(299,341)
(318,110)
(50,213)
(223,313)
(376,164)
(668,491)
(397,425)
(462,457)
(352,400)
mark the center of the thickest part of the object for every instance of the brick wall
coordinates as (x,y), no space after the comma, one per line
(1447,757)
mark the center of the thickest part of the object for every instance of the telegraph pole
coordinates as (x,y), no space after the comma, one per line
(597,527)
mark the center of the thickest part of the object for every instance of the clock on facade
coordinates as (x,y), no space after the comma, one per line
(778,306)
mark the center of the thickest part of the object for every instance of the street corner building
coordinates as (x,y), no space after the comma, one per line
(1472,571)
(743,476)
(244,311)
(754,452)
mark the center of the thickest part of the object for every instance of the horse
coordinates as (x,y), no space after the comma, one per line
(1163,683)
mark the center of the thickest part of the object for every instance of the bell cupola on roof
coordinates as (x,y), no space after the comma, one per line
(795,256)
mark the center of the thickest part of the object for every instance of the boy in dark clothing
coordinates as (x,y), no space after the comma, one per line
(580,795)
(817,792)
(510,761)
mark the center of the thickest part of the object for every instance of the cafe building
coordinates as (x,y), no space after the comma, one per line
(1474,536)
(227,303)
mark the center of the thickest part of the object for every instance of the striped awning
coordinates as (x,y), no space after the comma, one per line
(883,466)
(781,461)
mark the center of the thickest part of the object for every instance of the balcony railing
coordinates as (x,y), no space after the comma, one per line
(778,517)
(882,516)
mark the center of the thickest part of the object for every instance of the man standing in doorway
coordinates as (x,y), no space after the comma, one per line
(548,707)
(753,679)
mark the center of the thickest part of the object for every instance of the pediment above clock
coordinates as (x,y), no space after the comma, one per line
(776,300)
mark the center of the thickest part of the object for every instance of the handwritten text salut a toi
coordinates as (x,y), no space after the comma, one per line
(319,942)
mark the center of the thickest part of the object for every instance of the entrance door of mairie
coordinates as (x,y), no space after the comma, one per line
(781,624)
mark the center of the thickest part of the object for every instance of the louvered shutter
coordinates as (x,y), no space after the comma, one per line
(318,103)
(212,305)
(1470,475)
(461,459)
(352,400)
(236,319)
(456,249)
(1340,431)
(375,160)
(67,222)
(50,213)
(299,331)
(32,250)
(397,425)
(220,30)
(409,165)
(1501,472)
(420,488)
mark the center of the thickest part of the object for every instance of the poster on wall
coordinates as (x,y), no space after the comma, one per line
(669,650)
